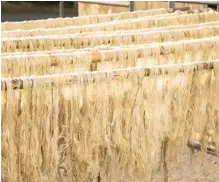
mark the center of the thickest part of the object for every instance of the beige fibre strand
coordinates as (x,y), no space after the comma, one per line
(154,29)
(140,23)
(108,108)
(78,42)
(77,21)
(118,57)
(97,48)
(76,132)
(159,54)
(36,32)
(105,47)
(43,64)
(102,47)
(130,24)
(70,29)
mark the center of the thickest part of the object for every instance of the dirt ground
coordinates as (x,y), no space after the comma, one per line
(191,167)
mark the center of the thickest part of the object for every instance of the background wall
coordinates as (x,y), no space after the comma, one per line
(21,10)
(92,9)
(154,5)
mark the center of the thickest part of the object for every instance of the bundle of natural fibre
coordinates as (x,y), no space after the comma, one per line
(97,48)
(84,20)
(130,24)
(114,58)
(28,64)
(25,33)
(43,64)
(150,22)
(103,47)
(145,37)
(40,43)
(62,128)
(159,54)
(153,29)
(70,29)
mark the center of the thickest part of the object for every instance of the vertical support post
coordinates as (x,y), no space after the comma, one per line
(218,6)
(171,4)
(61,8)
(131,6)
(76,7)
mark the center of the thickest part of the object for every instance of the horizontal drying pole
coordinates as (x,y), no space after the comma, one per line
(18,83)
(96,56)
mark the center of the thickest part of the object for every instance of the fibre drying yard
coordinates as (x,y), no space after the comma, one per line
(121,97)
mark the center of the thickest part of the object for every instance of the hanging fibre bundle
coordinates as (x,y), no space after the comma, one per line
(98,48)
(158,53)
(70,41)
(131,24)
(77,21)
(16,66)
(114,58)
(36,32)
(94,49)
(67,30)
(62,128)
(102,47)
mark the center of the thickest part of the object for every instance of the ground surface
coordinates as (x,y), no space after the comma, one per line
(197,167)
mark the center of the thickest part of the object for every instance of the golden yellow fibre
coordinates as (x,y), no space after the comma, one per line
(113,127)
(117,57)
(16,66)
(178,18)
(61,31)
(77,21)
(73,41)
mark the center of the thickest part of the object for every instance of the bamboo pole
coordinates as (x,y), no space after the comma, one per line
(18,83)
